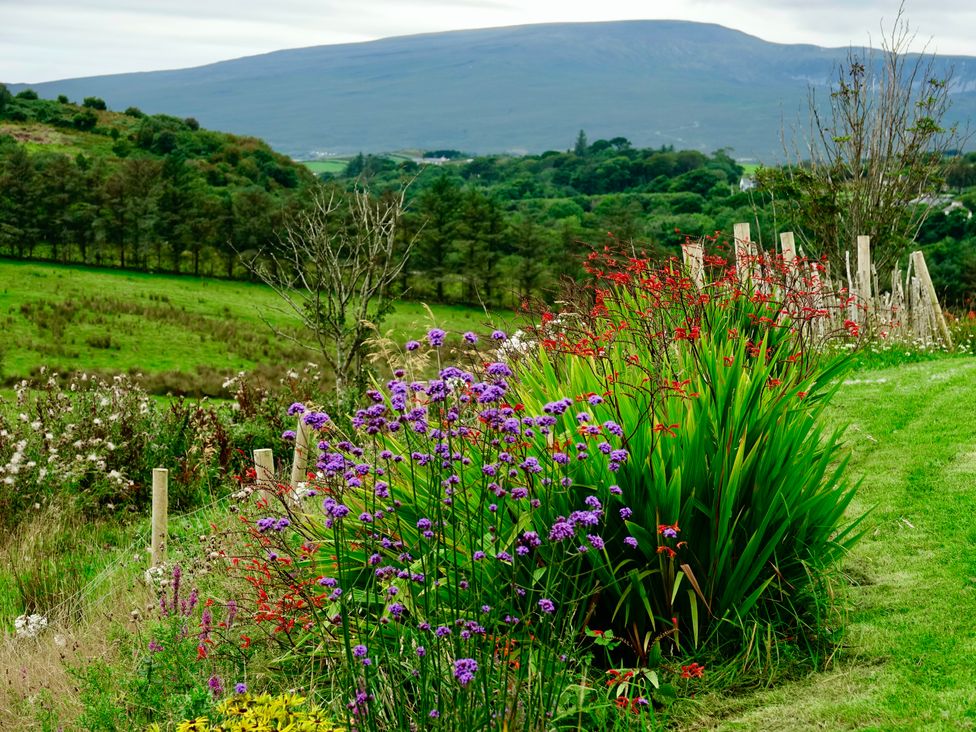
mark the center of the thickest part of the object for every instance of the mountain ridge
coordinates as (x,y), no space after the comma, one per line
(529,87)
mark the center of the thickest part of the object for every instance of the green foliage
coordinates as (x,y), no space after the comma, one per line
(94,103)
(735,485)
(154,192)
(51,553)
(912,437)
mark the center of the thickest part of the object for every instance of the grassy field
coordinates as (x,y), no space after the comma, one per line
(909,656)
(326,166)
(75,319)
(43,138)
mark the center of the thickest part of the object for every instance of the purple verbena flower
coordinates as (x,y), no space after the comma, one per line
(464,670)
(435,336)
(316,420)
(561,530)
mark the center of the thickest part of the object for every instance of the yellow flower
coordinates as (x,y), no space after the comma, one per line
(200,724)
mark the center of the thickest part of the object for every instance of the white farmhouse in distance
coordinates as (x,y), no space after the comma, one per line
(944,202)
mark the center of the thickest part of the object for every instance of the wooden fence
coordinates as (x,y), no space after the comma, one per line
(264,485)
(906,307)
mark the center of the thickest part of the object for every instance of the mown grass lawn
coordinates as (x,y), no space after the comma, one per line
(908,661)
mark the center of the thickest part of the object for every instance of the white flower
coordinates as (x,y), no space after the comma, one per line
(29,626)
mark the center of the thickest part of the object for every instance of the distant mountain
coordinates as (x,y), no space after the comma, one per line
(530,88)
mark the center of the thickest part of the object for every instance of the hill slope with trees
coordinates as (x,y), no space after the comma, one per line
(80,183)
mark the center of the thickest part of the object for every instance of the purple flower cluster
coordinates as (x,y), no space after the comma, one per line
(270,523)
(316,420)
(464,670)
(435,337)
(482,479)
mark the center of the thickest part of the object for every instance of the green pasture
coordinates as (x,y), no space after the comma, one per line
(76,319)
(326,166)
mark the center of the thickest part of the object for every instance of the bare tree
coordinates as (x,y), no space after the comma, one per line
(873,154)
(333,267)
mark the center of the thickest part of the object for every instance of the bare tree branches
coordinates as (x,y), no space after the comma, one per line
(333,268)
(873,151)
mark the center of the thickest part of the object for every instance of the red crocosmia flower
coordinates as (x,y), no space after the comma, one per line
(801,394)
(669,430)
(667,550)
(692,671)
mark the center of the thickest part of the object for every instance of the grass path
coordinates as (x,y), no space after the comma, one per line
(909,658)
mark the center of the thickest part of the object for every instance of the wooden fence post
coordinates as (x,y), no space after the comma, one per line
(788,245)
(694,258)
(922,270)
(864,271)
(299,463)
(160,508)
(745,251)
(264,468)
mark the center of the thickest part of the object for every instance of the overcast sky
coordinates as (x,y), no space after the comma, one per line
(43,40)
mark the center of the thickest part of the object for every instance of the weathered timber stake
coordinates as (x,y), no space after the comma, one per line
(264,467)
(745,252)
(160,509)
(864,270)
(788,245)
(300,461)
(694,257)
(922,269)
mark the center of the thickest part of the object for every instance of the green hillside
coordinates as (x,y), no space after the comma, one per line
(186,335)
(82,183)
